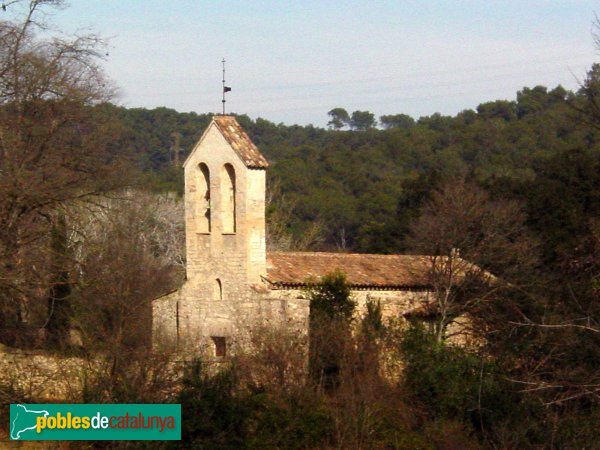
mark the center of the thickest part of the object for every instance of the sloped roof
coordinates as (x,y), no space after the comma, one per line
(289,269)
(240,142)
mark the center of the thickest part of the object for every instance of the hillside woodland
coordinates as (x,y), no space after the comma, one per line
(91,230)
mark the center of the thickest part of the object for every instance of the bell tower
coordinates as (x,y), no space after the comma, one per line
(225,181)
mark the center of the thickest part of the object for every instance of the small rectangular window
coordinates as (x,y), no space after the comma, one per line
(220,346)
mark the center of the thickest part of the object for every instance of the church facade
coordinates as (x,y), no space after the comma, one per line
(232,282)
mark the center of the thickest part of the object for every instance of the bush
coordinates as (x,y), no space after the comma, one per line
(456,384)
(219,413)
(331,311)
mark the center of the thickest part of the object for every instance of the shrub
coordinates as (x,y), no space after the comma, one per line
(219,413)
(331,311)
(454,383)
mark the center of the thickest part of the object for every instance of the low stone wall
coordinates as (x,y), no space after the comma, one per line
(40,376)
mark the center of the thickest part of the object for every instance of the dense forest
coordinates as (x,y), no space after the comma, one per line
(365,184)
(91,231)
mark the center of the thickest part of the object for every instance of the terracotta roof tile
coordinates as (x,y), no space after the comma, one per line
(240,142)
(362,270)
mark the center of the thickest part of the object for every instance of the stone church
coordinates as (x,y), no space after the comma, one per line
(232,282)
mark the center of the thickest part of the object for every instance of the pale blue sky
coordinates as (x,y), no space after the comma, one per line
(292,62)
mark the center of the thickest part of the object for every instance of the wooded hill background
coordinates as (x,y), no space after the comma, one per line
(363,186)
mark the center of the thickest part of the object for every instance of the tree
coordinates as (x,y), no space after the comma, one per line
(57,147)
(588,105)
(478,248)
(589,90)
(122,267)
(499,109)
(533,100)
(331,310)
(339,118)
(362,120)
(436,122)
(279,217)
(397,121)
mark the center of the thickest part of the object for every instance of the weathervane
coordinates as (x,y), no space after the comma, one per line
(225,88)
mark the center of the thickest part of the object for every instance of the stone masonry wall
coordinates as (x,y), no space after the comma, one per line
(222,264)
(199,319)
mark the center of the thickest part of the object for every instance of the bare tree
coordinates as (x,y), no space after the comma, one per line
(161,224)
(477,247)
(274,358)
(121,272)
(57,146)
(561,368)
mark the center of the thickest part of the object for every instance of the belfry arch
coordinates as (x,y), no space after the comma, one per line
(228,213)
(203,204)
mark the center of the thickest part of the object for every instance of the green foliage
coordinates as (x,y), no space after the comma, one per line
(362,120)
(500,109)
(331,311)
(170,179)
(212,415)
(577,429)
(363,187)
(454,383)
(331,298)
(397,121)
(372,322)
(534,382)
(219,414)
(339,118)
(565,196)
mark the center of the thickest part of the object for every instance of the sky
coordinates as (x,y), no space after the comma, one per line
(293,61)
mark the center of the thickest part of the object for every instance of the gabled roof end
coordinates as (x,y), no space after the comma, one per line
(239,141)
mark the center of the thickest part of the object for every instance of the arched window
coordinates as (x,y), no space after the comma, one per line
(218,290)
(228,198)
(203,199)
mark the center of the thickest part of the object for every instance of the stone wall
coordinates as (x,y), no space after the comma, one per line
(200,318)
(394,303)
(236,257)
(42,377)
(223,261)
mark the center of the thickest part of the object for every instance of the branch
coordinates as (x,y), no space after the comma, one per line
(563,325)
